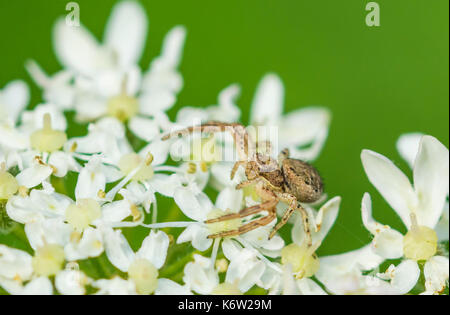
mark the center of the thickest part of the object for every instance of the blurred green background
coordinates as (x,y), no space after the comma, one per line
(378,82)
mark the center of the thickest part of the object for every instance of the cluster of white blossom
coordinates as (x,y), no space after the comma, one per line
(118,184)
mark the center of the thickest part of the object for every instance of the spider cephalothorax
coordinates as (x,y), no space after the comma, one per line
(289,180)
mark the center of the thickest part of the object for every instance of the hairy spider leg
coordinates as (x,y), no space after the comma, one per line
(246,212)
(293,205)
(249,226)
(238,131)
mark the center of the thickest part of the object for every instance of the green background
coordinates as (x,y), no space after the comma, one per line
(378,82)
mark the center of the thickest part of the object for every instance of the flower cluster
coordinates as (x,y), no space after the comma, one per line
(83,210)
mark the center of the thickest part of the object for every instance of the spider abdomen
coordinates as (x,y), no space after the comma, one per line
(302,180)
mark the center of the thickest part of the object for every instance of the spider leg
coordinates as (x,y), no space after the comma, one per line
(293,205)
(235,168)
(238,132)
(305,224)
(248,227)
(246,212)
(282,222)
(246,183)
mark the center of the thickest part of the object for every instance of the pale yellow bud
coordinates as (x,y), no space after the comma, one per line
(144,275)
(302,258)
(48,139)
(131,161)
(420,243)
(48,260)
(83,213)
(123,107)
(221,265)
(8,185)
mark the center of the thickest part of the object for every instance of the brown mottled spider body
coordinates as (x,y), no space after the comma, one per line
(288,180)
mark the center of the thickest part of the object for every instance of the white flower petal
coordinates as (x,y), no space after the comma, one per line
(34,175)
(165,184)
(229,199)
(116,211)
(302,126)
(14,262)
(436,274)
(126,31)
(50,231)
(196,234)
(267,105)
(118,250)
(154,248)
(199,276)
(145,128)
(195,206)
(392,184)
(387,242)
(71,282)
(408,146)
(173,47)
(362,259)
(403,277)
(115,286)
(442,228)
(431,180)
(90,180)
(325,219)
(63,162)
(15,97)
(159,149)
(76,48)
(38,286)
(309,287)
(169,287)
(90,245)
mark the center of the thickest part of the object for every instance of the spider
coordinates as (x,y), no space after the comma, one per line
(288,180)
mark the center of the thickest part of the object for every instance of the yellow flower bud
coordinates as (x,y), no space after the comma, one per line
(48,139)
(48,260)
(420,243)
(144,275)
(8,185)
(83,213)
(302,258)
(131,161)
(123,107)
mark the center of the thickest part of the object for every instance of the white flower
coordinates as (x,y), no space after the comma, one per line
(306,126)
(169,287)
(408,147)
(71,282)
(14,98)
(244,271)
(108,80)
(347,274)
(142,266)
(15,268)
(419,207)
(299,261)
(225,111)
(57,89)
(114,286)
(200,275)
